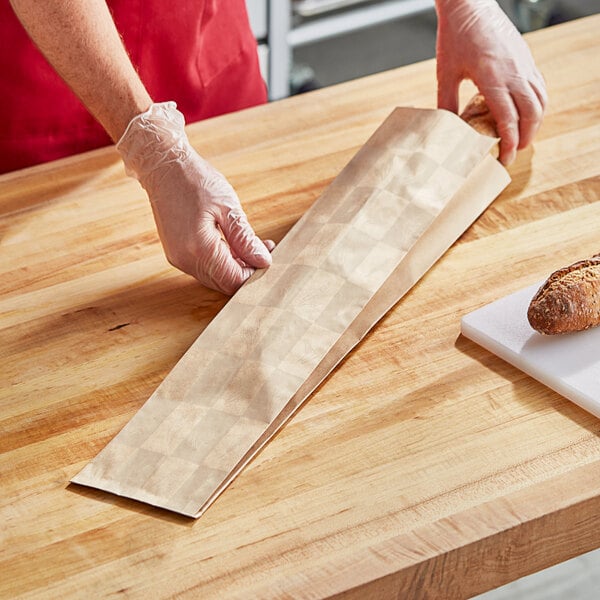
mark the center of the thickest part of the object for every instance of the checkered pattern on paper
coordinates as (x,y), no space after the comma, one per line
(252,358)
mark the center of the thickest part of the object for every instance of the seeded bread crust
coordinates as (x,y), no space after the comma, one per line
(569,300)
(478,116)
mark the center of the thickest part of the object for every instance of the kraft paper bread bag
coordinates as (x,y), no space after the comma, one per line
(407,195)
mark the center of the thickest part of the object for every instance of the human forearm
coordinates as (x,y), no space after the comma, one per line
(80,40)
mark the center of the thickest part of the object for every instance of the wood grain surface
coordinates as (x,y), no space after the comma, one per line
(424,466)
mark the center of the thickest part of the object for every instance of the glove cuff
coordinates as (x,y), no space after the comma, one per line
(153,139)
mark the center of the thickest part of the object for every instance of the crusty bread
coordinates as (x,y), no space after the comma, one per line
(478,116)
(569,300)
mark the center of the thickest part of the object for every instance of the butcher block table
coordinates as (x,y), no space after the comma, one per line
(423,467)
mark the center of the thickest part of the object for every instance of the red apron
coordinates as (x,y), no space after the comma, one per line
(200,53)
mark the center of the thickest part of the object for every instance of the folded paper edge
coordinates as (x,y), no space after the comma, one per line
(489,176)
(142,495)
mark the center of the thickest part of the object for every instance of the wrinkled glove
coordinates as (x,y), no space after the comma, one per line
(477,41)
(200,222)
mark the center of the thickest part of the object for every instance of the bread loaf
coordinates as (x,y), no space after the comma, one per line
(569,300)
(478,116)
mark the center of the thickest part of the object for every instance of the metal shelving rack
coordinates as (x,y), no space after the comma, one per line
(288,28)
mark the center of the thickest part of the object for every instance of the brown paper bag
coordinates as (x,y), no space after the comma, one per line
(414,187)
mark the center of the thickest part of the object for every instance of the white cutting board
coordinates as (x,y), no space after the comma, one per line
(567,363)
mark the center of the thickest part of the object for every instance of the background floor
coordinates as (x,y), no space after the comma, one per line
(406,41)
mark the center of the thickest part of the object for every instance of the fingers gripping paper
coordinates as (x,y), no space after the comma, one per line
(405,197)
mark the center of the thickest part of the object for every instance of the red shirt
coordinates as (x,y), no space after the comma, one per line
(200,53)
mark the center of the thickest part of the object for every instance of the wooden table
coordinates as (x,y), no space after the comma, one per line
(423,467)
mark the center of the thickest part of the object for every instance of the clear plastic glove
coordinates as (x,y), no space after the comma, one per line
(201,224)
(477,41)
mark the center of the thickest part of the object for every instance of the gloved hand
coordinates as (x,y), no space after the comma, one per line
(201,224)
(477,41)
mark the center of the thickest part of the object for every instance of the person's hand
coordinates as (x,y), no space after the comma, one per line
(477,41)
(201,224)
